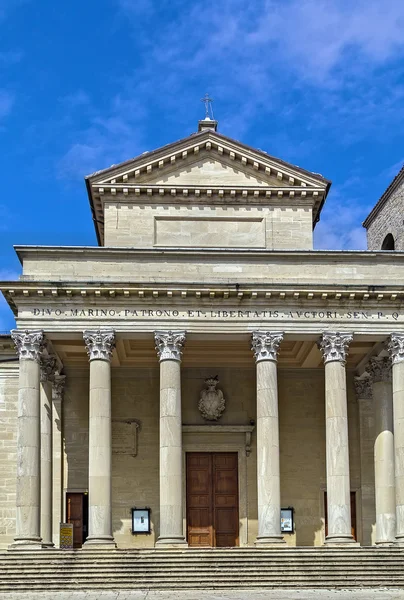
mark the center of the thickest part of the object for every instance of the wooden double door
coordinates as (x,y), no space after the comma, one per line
(212,499)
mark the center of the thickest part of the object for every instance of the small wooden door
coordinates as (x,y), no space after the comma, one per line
(353,514)
(77,513)
(212,499)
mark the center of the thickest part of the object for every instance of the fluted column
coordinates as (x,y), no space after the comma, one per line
(29,345)
(379,370)
(396,350)
(265,345)
(48,369)
(334,348)
(169,346)
(100,345)
(363,388)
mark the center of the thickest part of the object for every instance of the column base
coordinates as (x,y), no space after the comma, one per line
(385,543)
(341,540)
(399,540)
(171,542)
(270,541)
(99,543)
(27,544)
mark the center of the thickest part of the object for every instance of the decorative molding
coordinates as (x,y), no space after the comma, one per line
(379,368)
(395,347)
(211,403)
(99,344)
(29,344)
(223,429)
(49,366)
(169,344)
(265,344)
(58,386)
(363,388)
(334,346)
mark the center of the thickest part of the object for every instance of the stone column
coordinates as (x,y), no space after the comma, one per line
(48,368)
(363,388)
(334,347)
(29,345)
(169,346)
(58,385)
(395,347)
(379,370)
(265,345)
(100,345)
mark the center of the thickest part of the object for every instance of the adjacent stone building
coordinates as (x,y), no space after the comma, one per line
(204,365)
(385,223)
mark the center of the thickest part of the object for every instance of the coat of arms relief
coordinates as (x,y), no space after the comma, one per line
(211,403)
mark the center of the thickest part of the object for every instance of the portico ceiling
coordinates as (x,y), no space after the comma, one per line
(211,353)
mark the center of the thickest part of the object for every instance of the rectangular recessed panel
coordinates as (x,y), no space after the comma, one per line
(210,232)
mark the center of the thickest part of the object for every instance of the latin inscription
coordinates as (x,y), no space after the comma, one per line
(222,314)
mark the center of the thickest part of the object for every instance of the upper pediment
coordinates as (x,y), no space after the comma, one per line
(208,154)
(206,162)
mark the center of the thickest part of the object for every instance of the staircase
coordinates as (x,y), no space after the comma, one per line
(202,569)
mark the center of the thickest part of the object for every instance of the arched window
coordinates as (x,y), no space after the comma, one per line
(388,242)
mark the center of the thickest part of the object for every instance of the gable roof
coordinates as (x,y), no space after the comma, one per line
(397,181)
(119,177)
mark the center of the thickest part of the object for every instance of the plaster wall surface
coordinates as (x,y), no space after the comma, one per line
(390,219)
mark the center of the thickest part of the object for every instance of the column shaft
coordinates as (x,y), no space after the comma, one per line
(396,350)
(268,476)
(46,463)
(265,345)
(99,346)
(334,347)
(28,492)
(384,464)
(169,345)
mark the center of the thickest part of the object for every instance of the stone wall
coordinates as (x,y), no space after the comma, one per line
(8,450)
(136,478)
(390,219)
(201,226)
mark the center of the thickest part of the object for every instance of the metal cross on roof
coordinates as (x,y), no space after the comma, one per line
(208,106)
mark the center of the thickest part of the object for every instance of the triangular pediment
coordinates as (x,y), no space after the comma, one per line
(208,170)
(208,159)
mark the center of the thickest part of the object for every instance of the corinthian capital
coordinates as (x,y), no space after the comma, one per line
(363,387)
(395,346)
(99,344)
(379,369)
(265,344)
(29,344)
(48,368)
(169,344)
(334,346)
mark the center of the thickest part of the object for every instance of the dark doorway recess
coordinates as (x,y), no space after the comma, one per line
(77,513)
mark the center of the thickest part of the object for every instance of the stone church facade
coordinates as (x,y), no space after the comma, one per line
(204,364)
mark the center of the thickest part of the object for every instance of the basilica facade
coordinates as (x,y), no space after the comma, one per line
(203,377)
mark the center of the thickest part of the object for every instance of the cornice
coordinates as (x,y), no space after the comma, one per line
(291,292)
(239,253)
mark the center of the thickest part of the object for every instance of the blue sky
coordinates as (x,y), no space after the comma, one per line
(87,84)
